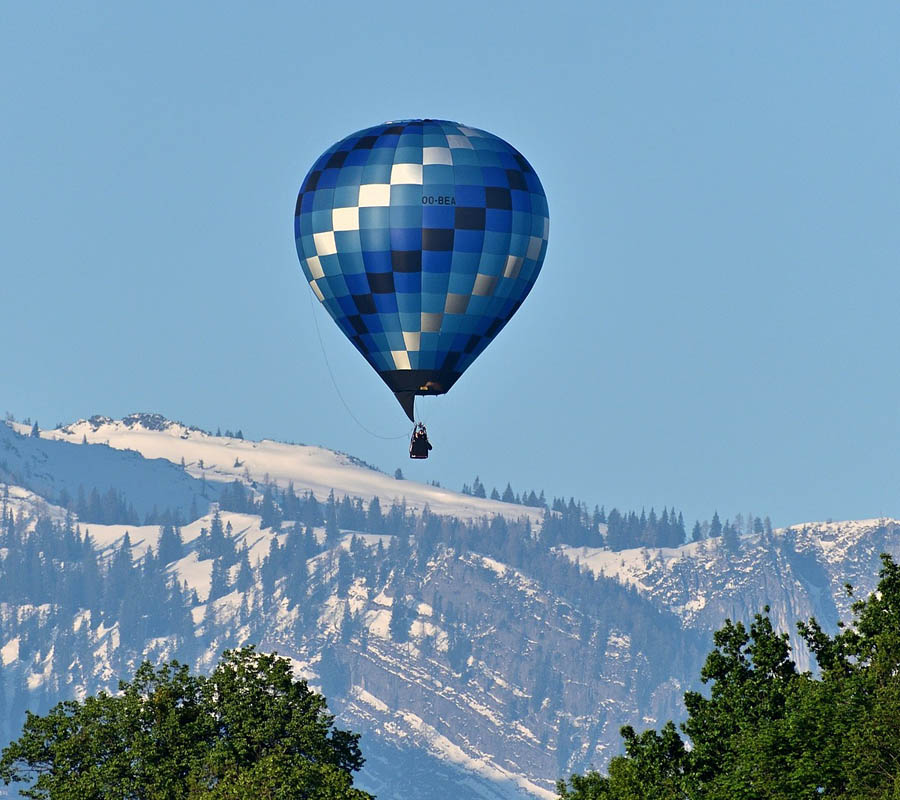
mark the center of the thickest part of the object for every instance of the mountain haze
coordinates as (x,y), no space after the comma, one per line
(477,655)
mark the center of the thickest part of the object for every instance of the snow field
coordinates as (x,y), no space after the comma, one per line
(312,468)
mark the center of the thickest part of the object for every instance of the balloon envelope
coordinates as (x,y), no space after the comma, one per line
(421,238)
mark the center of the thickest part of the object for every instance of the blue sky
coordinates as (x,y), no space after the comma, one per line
(715,325)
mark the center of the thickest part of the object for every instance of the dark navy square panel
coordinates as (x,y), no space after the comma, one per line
(381,282)
(470,218)
(437,239)
(406,260)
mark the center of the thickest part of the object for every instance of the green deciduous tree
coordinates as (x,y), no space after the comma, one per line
(249,731)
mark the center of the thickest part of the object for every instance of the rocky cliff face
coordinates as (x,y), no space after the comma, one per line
(518,685)
(476,661)
(799,572)
(491,671)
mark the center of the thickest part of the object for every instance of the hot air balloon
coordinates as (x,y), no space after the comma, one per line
(421,238)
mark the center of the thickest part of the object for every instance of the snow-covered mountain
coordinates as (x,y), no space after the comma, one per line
(225,458)
(53,468)
(476,658)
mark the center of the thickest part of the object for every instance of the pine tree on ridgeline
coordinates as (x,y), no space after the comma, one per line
(715,526)
(730,539)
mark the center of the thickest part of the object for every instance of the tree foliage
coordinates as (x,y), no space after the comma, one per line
(769,732)
(248,731)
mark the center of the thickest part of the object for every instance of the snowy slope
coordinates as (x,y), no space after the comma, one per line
(317,469)
(51,464)
(632,567)
(28,505)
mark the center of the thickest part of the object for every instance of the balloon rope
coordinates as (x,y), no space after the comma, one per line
(334,382)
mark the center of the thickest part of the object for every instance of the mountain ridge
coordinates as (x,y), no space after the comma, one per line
(473,655)
(221,459)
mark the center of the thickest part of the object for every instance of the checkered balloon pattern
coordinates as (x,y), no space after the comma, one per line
(421,238)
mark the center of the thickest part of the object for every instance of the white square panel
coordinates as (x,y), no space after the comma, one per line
(345,219)
(401,359)
(484,285)
(315,267)
(513,265)
(375,194)
(411,339)
(470,131)
(459,142)
(534,247)
(431,322)
(406,173)
(436,155)
(456,303)
(546,227)
(317,291)
(324,242)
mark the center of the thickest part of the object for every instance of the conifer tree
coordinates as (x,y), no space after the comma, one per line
(269,512)
(219,545)
(400,619)
(730,539)
(244,580)
(374,519)
(171,546)
(218,581)
(696,532)
(344,572)
(332,532)
(119,580)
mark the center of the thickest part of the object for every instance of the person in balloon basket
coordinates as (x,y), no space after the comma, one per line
(419,444)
